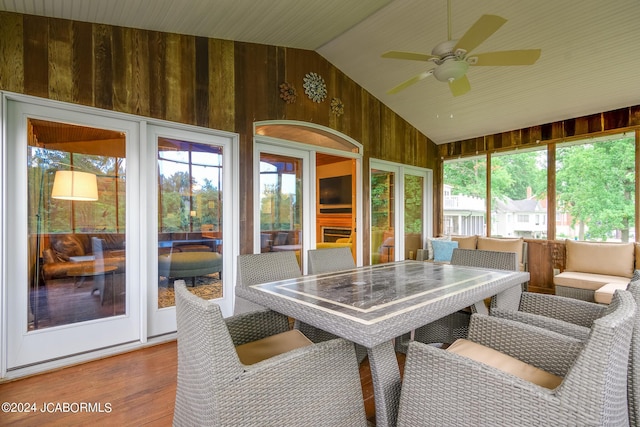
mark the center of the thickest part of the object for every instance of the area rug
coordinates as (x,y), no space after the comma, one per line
(206,287)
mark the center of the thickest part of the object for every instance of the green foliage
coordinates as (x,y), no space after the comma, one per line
(413,203)
(596,186)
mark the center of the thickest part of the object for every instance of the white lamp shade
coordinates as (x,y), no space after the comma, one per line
(73,185)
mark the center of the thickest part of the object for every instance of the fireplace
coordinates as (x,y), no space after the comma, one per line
(331,234)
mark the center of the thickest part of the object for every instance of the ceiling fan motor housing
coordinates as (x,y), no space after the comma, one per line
(451,70)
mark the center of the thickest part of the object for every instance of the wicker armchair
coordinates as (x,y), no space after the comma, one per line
(329,260)
(456,325)
(444,388)
(317,384)
(262,268)
(573,317)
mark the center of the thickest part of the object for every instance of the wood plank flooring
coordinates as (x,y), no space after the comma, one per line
(132,389)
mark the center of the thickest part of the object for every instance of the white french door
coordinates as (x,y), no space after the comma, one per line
(64,296)
(193,236)
(283,183)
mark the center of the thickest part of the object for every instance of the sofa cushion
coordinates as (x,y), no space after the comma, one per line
(504,362)
(443,250)
(466,242)
(575,279)
(613,259)
(604,295)
(429,245)
(503,245)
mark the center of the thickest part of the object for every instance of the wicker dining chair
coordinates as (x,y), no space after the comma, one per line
(573,317)
(456,325)
(262,268)
(329,260)
(316,384)
(441,387)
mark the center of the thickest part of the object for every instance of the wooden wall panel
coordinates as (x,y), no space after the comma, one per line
(103,67)
(82,67)
(221,85)
(60,58)
(12,52)
(622,118)
(36,55)
(157,46)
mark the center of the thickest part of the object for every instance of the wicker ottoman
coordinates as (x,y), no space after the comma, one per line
(189,264)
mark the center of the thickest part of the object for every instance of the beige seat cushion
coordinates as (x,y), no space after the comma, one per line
(611,259)
(257,351)
(505,363)
(574,279)
(503,245)
(605,293)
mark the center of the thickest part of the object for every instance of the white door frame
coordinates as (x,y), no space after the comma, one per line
(24,347)
(163,320)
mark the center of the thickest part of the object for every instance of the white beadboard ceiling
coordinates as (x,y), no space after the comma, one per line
(590,58)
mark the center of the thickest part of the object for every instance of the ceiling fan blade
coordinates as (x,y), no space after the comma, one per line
(394,54)
(460,86)
(409,82)
(506,57)
(479,32)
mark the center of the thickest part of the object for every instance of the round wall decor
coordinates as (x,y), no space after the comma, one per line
(314,87)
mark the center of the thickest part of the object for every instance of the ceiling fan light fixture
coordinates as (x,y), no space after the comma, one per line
(449,71)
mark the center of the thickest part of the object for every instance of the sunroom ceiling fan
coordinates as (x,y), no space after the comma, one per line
(453,57)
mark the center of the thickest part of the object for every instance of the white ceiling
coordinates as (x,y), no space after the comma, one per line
(590,58)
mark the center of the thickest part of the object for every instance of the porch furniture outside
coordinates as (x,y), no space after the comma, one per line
(374,304)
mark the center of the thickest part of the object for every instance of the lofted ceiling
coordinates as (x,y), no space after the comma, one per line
(590,59)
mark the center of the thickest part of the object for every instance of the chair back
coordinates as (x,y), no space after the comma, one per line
(207,358)
(633,374)
(509,298)
(330,260)
(601,366)
(485,259)
(262,268)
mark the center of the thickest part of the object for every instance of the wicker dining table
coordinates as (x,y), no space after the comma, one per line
(372,305)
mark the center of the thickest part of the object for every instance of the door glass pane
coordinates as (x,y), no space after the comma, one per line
(76,223)
(519,194)
(595,189)
(280,204)
(382,216)
(190,244)
(465,189)
(335,202)
(413,215)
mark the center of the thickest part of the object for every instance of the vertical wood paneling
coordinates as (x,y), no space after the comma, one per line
(11,52)
(157,46)
(103,68)
(36,55)
(60,60)
(221,85)
(202,81)
(123,51)
(82,91)
(173,74)
(140,73)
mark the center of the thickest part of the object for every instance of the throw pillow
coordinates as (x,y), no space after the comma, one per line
(67,245)
(429,245)
(443,250)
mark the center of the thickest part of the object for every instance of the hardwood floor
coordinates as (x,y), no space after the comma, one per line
(132,389)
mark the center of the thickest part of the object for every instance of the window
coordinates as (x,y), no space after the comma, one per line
(465,190)
(595,189)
